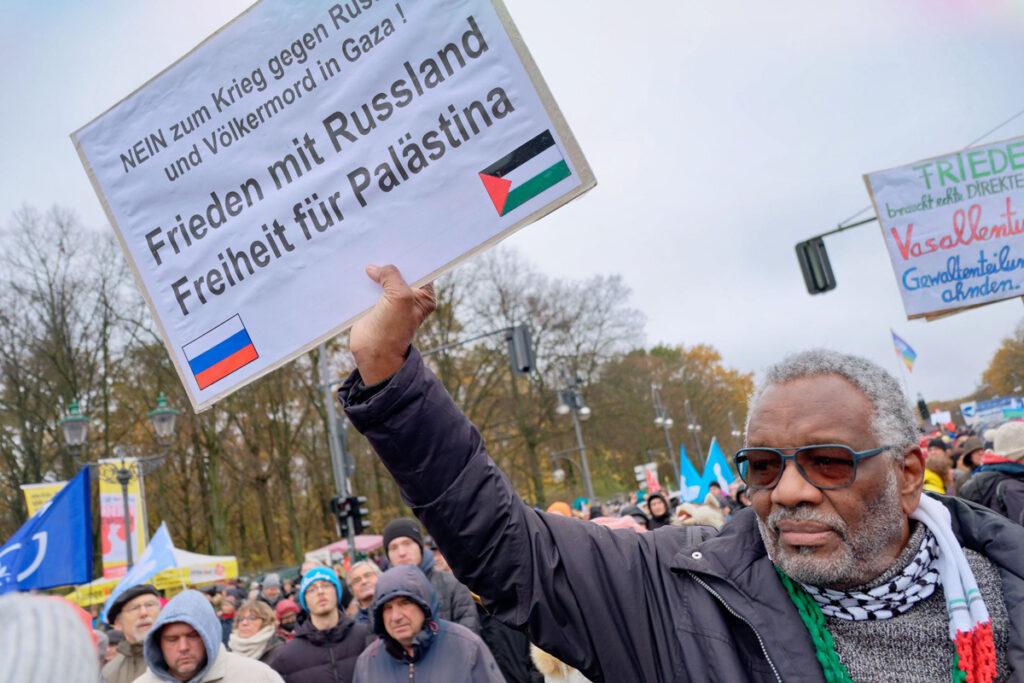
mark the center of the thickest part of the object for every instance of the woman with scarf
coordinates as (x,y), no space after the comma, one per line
(255,631)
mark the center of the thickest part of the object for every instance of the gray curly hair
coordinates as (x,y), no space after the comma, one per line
(893,419)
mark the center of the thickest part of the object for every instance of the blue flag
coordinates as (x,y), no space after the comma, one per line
(54,547)
(691,480)
(158,556)
(716,469)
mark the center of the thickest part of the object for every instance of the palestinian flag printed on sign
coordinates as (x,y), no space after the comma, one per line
(524,173)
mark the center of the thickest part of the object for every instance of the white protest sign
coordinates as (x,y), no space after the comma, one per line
(952,227)
(252,181)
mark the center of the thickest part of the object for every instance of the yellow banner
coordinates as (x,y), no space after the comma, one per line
(38,495)
(95,593)
(195,576)
(170,580)
(112,526)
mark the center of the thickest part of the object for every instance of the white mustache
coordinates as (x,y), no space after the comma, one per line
(806,514)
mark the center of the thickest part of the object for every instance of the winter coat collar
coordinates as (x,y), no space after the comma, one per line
(421,643)
(307,631)
(129,649)
(1006,466)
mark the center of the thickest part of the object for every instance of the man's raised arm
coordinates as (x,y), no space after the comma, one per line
(578,587)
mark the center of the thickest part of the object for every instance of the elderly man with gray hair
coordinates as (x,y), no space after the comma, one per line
(362,581)
(840,570)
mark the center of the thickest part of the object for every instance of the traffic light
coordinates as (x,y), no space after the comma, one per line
(341,509)
(520,350)
(351,508)
(815,265)
(360,513)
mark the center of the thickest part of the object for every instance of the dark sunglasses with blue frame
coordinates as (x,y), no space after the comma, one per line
(827,466)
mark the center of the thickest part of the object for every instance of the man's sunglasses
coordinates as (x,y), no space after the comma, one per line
(826,466)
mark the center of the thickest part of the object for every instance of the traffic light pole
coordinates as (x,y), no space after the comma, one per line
(341,483)
(520,349)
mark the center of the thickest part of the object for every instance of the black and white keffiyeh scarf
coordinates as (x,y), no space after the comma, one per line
(916,582)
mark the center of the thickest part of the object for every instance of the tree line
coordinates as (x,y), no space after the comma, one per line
(252,476)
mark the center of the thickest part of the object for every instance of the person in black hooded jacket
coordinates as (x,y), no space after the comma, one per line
(661,512)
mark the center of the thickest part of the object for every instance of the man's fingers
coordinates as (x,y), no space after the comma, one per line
(395,288)
(425,299)
(390,279)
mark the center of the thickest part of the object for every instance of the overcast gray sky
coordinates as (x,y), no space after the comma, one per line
(721,134)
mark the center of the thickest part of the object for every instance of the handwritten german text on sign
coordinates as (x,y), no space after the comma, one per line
(251,182)
(954,227)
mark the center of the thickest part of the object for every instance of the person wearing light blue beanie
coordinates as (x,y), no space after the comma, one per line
(314,575)
(326,645)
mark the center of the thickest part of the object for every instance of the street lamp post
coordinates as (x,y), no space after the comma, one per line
(570,402)
(694,428)
(737,434)
(558,474)
(75,426)
(661,419)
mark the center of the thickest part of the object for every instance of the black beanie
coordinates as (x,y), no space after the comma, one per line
(124,598)
(403,527)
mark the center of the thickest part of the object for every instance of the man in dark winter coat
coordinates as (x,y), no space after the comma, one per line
(414,645)
(789,590)
(325,646)
(403,542)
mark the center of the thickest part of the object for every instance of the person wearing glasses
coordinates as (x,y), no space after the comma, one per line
(327,644)
(362,581)
(255,633)
(132,613)
(840,570)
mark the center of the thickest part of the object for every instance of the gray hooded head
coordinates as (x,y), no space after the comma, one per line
(402,581)
(192,608)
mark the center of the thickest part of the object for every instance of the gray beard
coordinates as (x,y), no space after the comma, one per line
(860,557)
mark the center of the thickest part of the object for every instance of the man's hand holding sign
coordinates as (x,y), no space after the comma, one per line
(380,339)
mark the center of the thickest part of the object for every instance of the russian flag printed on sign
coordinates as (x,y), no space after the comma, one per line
(219,352)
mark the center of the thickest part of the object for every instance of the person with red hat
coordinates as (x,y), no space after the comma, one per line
(287,613)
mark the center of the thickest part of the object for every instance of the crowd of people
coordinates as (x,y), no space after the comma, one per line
(852,546)
(403,615)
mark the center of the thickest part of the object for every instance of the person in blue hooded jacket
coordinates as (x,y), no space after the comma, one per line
(185,645)
(413,644)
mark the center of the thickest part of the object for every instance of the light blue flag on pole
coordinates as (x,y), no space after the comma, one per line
(691,480)
(158,556)
(717,469)
(54,547)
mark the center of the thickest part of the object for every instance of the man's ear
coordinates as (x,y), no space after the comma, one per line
(910,474)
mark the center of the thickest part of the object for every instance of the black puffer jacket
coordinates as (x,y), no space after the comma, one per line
(321,656)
